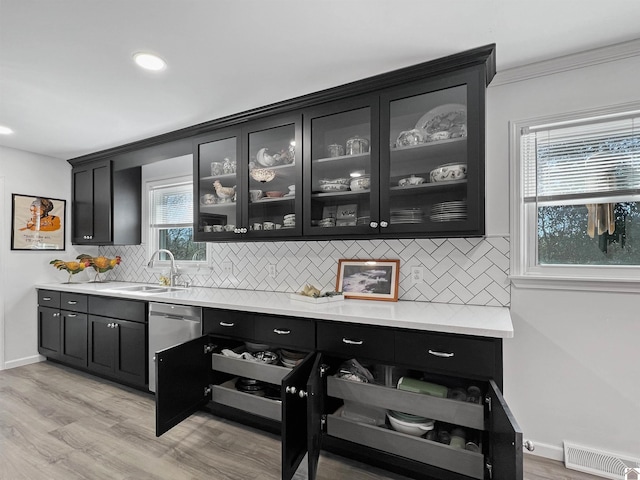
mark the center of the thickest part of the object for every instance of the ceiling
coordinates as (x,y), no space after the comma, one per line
(68,85)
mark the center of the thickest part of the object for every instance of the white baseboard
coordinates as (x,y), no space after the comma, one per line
(552,452)
(23,361)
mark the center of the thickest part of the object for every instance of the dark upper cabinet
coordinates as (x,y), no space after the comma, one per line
(246,181)
(432,157)
(106,204)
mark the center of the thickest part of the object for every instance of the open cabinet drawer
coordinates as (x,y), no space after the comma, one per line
(227,394)
(415,448)
(248,369)
(451,411)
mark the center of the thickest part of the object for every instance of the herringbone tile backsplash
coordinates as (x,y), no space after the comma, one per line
(471,271)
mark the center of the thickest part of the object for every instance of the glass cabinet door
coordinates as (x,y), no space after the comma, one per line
(215,164)
(273,185)
(341,168)
(432,170)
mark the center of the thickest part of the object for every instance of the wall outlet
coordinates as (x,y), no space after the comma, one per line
(227,268)
(417,275)
(273,271)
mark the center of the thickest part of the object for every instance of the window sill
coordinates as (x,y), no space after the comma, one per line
(548,282)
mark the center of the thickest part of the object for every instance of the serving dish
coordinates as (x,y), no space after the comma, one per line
(416,428)
(262,174)
(448,172)
(445,121)
(411,181)
(360,183)
(337,181)
(334,187)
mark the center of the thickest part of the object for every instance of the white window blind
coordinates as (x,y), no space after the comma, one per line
(596,159)
(172,206)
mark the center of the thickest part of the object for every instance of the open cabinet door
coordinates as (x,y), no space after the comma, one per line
(294,416)
(315,409)
(505,449)
(183,373)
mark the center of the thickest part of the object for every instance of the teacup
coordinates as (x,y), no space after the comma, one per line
(255,195)
(208,228)
(229,228)
(269,225)
(257,226)
(218,228)
(207,199)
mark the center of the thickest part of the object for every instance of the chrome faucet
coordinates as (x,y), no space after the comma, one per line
(174,270)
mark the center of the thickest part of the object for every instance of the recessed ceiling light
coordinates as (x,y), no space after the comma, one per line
(5,130)
(149,61)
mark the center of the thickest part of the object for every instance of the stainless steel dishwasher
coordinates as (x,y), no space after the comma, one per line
(170,325)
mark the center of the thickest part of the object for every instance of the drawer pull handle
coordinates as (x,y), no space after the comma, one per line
(72,302)
(71,315)
(352,342)
(227,324)
(281,332)
(440,354)
(46,299)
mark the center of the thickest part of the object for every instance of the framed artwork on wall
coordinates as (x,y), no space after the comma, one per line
(37,223)
(369,279)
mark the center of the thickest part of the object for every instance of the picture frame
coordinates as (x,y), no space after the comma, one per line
(369,279)
(37,222)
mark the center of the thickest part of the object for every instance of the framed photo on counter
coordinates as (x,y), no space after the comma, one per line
(37,223)
(369,279)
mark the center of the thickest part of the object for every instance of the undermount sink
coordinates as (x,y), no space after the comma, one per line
(146,289)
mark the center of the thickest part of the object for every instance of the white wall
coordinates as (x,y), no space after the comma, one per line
(29,174)
(572,371)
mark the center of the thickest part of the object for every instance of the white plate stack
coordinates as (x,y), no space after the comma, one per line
(454,211)
(407,215)
(289,220)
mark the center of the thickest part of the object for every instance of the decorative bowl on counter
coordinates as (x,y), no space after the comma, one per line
(448,172)
(410,181)
(360,183)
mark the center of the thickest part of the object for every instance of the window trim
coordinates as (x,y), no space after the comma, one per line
(524,271)
(183,266)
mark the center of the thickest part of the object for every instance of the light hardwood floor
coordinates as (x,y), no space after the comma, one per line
(59,424)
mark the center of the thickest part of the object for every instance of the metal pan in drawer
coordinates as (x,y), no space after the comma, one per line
(455,354)
(443,409)
(439,455)
(226,394)
(246,368)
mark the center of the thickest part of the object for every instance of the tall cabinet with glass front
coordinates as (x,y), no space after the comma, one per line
(341,168)
(432,163)
(217,211)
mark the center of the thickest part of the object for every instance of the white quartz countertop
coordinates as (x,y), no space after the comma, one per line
(437,317)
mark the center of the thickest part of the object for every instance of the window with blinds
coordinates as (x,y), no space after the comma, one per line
(171,222)
(581,190)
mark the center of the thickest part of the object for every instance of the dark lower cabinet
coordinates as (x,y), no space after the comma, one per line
(106,336)
(310,410)
(62,327)
(117,348)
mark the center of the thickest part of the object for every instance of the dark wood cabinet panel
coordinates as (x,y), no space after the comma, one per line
(356,341)
(106,204)
(74,346)
(101,345)
(289,332)
(49,331)
(132,310)
(49,298)
(131,352)
(227,323)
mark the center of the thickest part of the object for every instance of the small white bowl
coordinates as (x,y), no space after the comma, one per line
(334,187)
(360,183)
(411,181)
